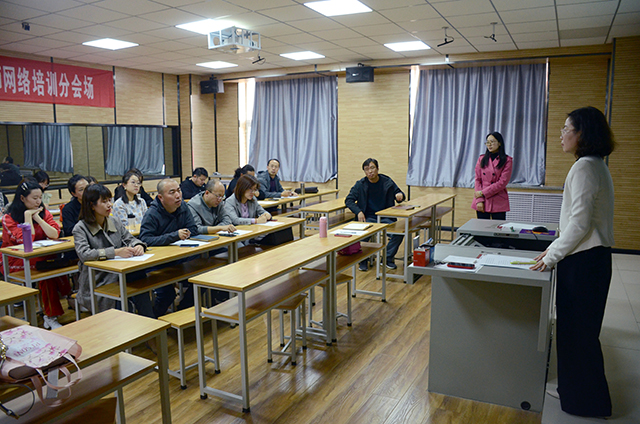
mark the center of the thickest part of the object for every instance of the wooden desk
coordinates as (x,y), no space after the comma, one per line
(29,276)
(336,206)
(302,198)
(11,293)
(253,272)
(430,201)
(166,254)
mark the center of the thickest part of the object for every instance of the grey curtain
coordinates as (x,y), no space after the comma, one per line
(48,147)
(296,122)
(134,147)
(457,108)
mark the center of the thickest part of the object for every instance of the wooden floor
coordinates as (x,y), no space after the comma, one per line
(376,373)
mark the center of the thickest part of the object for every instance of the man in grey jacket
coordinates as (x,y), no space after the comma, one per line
(208,210)
(270,182)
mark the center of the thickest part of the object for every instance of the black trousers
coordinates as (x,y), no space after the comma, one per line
(500,216)
(583,284)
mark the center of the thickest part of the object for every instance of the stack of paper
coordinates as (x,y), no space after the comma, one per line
(358,226)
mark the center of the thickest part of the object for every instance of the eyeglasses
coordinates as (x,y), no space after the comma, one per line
(489,143)
(135,182)
(219,196)
(565,130)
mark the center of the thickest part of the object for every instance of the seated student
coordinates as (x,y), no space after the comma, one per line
(242,206)
(99,237)
(245,170)
(208,210)
(27,208)
(43,179)
(194,184)
(71,210)
(119,191)
(9,172)
(130,204)
(168,220)
(270,182)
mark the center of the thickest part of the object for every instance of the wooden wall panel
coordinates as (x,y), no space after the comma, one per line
(25,112)
(138,97)
(185,127)
(171,99)
(227,129)
(203,143)
(373,121)
(624,163)
(95,154)
(574,82)
(80,148)
(67,114)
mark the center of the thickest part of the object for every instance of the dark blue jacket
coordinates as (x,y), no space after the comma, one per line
(356,200)
(160,228)
(190,189)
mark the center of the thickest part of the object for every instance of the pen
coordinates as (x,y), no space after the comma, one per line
(523,262)
(188,245)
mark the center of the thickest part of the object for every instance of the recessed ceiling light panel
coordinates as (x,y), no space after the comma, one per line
(110,44)
(206,26)
(407,46)
(338,7)
(302,55)
(218,64)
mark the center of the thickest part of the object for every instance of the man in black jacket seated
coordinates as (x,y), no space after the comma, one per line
(168,220)
(194,184)
(372,194)
(71,210)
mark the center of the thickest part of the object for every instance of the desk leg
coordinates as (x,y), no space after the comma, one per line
(5,267)
(333,299)
(92,288)
(199,340)
(27,273)
(120,415)
(124,302)
(407,244)
(163,376)
(384,268)
(31,305)
(244,357)
(378,254)
(453,211)
(432,227)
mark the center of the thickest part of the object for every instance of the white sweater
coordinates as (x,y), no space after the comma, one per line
(586,216)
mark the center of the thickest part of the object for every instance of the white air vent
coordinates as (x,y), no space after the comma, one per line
(534,207)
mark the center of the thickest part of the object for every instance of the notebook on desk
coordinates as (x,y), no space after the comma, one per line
(358,226)
(404,207)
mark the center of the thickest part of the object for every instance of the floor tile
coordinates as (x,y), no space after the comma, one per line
(620,328)
(633,292)
(630,277)
(627,262)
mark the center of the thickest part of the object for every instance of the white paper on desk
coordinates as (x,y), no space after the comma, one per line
(133,258)
(357,226)
(344,232)
(272,223)
(45,243)
(264,203)
(236,232)
(188,242)
(461,260)
(514,227)
(54,211)
(448,268)
(504,261)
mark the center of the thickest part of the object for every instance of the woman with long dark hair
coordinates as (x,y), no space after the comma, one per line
(130,203)
(493,172)
(582,255)
(98,237)
(26,208)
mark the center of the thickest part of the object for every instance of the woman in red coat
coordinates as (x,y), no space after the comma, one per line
(493,172)
(27,208)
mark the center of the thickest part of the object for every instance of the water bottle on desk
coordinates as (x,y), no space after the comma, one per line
(131,222)
(323,227)
(26,237)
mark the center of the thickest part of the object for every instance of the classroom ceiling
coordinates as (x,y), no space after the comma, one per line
(59,27)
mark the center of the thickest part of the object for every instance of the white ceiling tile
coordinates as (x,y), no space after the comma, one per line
(355,43)
(386,4)
(590,22)
(361,19)
(48,43)
(214,9)
(627,19)
(529,15)
(541,44)
(70,36)
(495,47)
(143,38)
(19,12)
(61,54)
(623,31)
(297,38)
(101,31)
(133,7)
(426,25)
(318,47)
(60,22)
(392,38)
(12,37)
(463,7)
(135,24)
(179,3)
(291,13)
(91,13)
(35,31)
(264,5)
(275,30)
(376,30)
(170,46)
(538,26)
(270,42)
(48,6)
(482,19)
(410,13)
(627,6)
(535,36)
(316,24)
(199,41)
(502,5)
(22,47)
(587,9)
(336,34)
(171,17)
(251,20)
(169,55)
(481,31)
(582,41)
(170,33)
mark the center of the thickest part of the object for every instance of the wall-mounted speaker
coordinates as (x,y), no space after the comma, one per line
(211,86)
(360,74)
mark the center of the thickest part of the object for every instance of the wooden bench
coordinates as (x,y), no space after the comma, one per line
(262,299)
(98,380)
(7,322)
(296,308)
(37,275)
(161,277)
(182,320)
(100,412)
(440,212)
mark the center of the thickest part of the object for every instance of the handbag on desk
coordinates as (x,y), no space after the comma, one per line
(31,352)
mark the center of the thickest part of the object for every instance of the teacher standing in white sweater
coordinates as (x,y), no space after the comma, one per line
(582,255)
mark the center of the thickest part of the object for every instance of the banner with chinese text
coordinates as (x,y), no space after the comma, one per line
(23,80)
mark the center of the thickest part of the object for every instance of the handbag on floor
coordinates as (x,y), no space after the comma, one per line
(32,353)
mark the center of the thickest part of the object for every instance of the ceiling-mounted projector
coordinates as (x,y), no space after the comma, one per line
(234,40)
